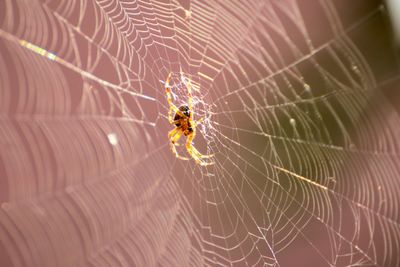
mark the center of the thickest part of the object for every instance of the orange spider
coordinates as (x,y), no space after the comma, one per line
(183,120)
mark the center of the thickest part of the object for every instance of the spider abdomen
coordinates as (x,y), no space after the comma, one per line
(182,120)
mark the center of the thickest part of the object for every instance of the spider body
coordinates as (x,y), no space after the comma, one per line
(182,118)
(183,122)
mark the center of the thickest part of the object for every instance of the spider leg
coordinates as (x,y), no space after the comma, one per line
(172,133)
(190,98)
(172,108)
(196,155)
(194,150)
(201,155)
(195,123)
(173,136)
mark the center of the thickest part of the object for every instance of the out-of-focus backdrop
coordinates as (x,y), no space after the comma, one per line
(300,108)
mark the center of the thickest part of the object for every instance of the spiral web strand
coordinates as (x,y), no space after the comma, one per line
(299,112)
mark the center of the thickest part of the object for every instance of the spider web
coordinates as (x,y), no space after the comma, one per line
(300,113)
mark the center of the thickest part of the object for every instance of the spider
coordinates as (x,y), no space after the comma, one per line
(185,125)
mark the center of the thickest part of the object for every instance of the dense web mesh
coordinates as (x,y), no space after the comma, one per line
(299,109)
